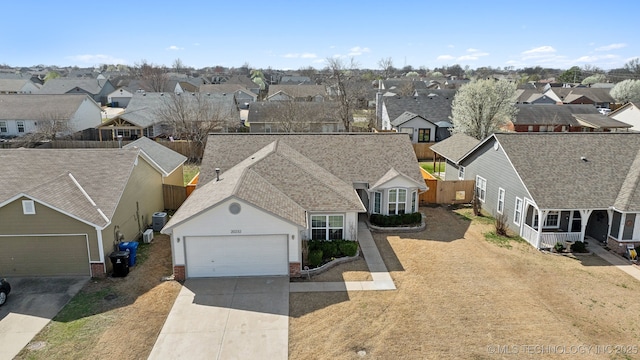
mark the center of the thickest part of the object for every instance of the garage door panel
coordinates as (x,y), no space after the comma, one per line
(236,256)
(44,256)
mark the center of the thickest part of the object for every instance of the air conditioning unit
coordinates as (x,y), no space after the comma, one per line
(147,236)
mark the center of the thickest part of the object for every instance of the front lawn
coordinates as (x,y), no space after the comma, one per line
(428,166)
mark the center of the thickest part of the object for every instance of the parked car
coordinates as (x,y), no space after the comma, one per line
(604,111)
(5,289)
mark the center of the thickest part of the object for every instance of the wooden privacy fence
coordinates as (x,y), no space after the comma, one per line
(183,147)
(174,196)
(446,191)
(423,151)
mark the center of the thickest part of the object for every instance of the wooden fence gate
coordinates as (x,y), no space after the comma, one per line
(174,196)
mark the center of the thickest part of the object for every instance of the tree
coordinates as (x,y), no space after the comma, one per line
(193,117)
(483,107)
(627,91)
(178,65)
(153,77)
(572,75)
(412,74)
(386,65)
(593,79)
(343,82)
(51,75)
(633,66)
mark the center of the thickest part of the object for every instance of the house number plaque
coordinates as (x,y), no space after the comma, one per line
(237,231)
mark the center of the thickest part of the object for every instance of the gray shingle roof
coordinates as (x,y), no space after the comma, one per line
(455,147)
(294,111)
(299,91)
(64,85)
(406,116)
(600,95)
(434,106)
(399,83)
(530,114)
(13,85)
(36,107)
(167,159)
(46,175)
(599,121)
(352,157)
(551,168)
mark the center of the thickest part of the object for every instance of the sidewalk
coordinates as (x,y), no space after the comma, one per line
(620,263)
(381,278)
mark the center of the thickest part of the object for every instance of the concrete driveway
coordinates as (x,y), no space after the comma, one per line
(227,318)
(30,306)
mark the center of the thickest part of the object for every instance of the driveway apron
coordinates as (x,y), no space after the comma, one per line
(227,318)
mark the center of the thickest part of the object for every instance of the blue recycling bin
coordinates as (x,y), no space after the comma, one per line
(132,248)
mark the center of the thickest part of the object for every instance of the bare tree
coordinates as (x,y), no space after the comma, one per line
(178,65)
(50,126)
(153,77)
(345,86)
(193,117)
(407,89)
(386,65)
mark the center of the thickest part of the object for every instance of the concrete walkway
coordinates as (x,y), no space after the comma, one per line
(613,259)
(381,278)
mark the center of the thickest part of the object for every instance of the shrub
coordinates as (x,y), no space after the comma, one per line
(329,249)
(349,248)
(501,225)
(578,247)
(315,257)
(558,247)
(395,220)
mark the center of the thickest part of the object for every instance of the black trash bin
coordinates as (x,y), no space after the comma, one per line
(120,262)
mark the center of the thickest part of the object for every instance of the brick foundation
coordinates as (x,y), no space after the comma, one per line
(294,269)
(179,272)
(98,270)
(614,245)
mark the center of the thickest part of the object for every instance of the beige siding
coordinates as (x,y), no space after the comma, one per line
(45,221)
(44,256)
(145,189)
(176,177)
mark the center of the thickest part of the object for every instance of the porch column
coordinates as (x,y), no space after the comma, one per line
(609,222)
(542,216)
(584,220)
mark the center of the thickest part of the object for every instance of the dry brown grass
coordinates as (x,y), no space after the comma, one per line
(124,325)
(459,294)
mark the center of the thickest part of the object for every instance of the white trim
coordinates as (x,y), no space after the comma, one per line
(501,199)
(379,203)
(460,172)
(327,228)
(100,246)
(28,207)
(53,208)
(482,196)
(518,209)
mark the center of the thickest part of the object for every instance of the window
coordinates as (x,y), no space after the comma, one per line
(461,173)
(424,135)
(20,126)
(28,207)
(407,130)
(3,126)
(377,202)
(481,188)
(552,220)
(414,202)
(517,213)
(500,200)
(397,201)
(327,227)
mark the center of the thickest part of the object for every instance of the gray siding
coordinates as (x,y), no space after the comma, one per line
(495,168)
(451,171)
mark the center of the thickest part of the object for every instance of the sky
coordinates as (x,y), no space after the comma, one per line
(296,34)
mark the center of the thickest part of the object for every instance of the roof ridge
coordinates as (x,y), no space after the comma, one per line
(631,181)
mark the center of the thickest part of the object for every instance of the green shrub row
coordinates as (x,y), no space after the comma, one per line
(396,220)
(324,249)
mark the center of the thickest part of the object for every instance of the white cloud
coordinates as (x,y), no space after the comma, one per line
(174,48)
(611,47)
(472,50)
(540,50)
(594,58)
(445,57)
(97,59)
(298,56)
(308,56)
(356,51)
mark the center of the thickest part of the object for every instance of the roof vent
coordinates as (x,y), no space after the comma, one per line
(217,174)
(583,158)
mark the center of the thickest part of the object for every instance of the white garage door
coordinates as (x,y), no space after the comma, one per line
(215,256)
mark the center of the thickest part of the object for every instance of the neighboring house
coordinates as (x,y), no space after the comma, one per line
(452,150)
(245,81)
(259,196)
(316,93)
(293,116)
(142,116)
(243,96)
(532,96)
(563,118)
(600,97)
(167,161)
(119,97)
(66,114)
(420,130)
(628,113)
(403,87)
(294,80)
(97,89)
(18,86)
(434,106)
(62,211)
(586,186)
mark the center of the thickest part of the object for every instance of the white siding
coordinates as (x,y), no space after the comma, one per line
(89,115)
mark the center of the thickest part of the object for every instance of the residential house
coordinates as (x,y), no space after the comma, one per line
(403,87)
(292,116)
(295,80)
(317,93)
(63,114)
(119,97)
(63,211)
(97,89)
(453,150)
(599,97)
(434,106)
(563,118)
(533,96)
(243,96)
(259,196)
(628,113)
(168,162)
(147,112)
(420,130)
(18,86)
(559,187)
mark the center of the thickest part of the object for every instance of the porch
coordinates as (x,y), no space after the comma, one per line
(548,239)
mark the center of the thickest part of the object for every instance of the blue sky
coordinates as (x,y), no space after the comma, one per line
(295,34)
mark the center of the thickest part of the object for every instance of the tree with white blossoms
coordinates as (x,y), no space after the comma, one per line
(594,79)
(483,107)
(627,91)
